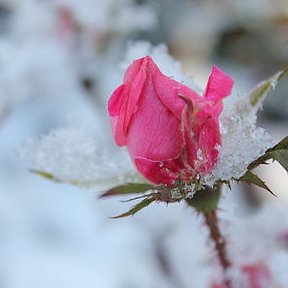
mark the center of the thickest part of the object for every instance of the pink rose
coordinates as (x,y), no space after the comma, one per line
(171,132)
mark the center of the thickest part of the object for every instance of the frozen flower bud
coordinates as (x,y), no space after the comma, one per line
(171,132)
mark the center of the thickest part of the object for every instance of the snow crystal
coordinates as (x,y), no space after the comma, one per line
(74,156)
(242,141)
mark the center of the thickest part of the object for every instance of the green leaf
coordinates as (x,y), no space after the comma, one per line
(277,153)
(95,184)
(144,203)
(252,178)
(206,200)
(283,144)
(258,94)
(129,188)
(281,156)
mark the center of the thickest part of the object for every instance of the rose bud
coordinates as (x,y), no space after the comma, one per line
(171,132)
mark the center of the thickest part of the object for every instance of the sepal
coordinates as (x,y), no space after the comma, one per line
(206,200)
(144,203)
(129,188)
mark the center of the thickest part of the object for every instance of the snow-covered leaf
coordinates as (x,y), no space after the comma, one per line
(258,94)
(76,157)
(279,153)
(281,156)
(83,183)
(283,144)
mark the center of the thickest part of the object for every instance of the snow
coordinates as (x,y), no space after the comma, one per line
(54,235)
(242,143)
(75,156)
(255,238)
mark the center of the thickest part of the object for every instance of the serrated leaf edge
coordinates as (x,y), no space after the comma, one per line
(260,183)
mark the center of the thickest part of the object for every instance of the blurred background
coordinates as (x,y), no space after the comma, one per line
(59,63)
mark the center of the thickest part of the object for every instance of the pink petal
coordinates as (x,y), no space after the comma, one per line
(121,105)
(161,172)
(169,92)
(219,85)
(155,132)
(136,90)
(133,69)
(115,104)
(188,135)
(209,138)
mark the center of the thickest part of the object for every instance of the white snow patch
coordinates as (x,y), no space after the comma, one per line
(242,141)
(72,155)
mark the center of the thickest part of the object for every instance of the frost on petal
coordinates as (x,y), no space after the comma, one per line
(72,156)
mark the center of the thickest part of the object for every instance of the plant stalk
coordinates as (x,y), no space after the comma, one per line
(211,222)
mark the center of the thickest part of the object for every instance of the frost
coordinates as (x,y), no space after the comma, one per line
(242,141)
(73,156)
(186,190)
(160,55)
